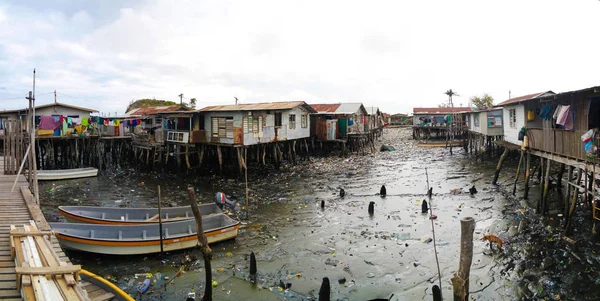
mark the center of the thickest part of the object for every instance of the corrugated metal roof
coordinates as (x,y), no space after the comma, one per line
(350,108)
(154,110)
(441,110)
(58,104)
(325,108)
(525,97)
(372,110)
(284,105)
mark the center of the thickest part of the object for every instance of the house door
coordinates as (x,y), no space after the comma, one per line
(343,127)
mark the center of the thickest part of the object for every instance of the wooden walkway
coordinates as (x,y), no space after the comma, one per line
(13,211)
(18,208)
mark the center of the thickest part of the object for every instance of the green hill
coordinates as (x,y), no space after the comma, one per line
(143,103)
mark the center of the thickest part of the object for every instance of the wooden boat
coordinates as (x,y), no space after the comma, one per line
(131,216)
(92,283)
(142,239)
(63,174)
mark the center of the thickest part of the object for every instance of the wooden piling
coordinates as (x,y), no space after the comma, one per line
(499,166)
(203,243)
(573,200)
(460,280)
(527,174)
(546,186)
(518,172)
(568,192)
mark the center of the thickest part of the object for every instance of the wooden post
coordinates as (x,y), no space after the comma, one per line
(499,166)
(546,186)
(246,169)
(573,201)
(460,280)
(527,174)
(560,176)
(203,242)
(160,229)
(568,194)
(220,156)
(518,172)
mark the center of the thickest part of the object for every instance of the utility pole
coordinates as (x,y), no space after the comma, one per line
(508,94)
(54,96)
(181,99)
(236,100)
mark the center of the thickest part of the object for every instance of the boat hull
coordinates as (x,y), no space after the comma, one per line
(143,239)
(132,216)
(64,174)
(130,249)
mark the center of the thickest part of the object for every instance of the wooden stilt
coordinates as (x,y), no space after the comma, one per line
(518,172)
(460,280)
(546,186)
(568,194)
(573,200)
(220,157)
(560,176)
(527,174)
(499,166)
(187,156)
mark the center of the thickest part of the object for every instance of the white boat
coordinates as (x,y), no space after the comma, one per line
(132,216)
(63,174)
(143,239)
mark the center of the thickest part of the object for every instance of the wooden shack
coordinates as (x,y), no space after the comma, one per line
(257,123)
(376,118)
(336,121)
(513,114)
(438,122)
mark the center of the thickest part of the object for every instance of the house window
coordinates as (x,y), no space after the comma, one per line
(304,121)
(476,120)
(512,117)
(277,119)
(222,127)
(292,122)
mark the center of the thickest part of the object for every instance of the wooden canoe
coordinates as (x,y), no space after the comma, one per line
(64,174)
(132,216)
(142,239)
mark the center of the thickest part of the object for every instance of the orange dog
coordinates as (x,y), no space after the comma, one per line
(493,238)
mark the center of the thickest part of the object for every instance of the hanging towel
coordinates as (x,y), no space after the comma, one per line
(569,122)
(106,122)
(563,114)
(69,120)
(79,129)
(64,127)
(556,112)
(117,122)
(84,122)
(48,123)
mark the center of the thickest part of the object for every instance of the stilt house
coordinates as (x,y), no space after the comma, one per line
(251,124)
(514,115)
(336,121)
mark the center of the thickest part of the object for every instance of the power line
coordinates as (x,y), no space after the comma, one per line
(23,97)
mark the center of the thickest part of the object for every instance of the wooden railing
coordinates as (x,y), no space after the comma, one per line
(561,142)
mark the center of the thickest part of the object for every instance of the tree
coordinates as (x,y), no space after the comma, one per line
(193,103)
(484,102)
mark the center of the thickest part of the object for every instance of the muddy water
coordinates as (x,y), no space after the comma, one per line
(364,256)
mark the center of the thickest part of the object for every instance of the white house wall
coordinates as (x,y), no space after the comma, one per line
(511,134)
(268,130)
(48,111)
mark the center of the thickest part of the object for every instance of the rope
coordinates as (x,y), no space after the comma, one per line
(437,261)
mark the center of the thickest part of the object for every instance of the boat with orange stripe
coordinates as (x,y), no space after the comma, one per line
(143,239)
(132,216)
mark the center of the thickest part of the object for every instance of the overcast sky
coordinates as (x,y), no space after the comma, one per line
(393,54)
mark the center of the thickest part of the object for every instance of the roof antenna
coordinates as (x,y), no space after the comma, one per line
(236,100)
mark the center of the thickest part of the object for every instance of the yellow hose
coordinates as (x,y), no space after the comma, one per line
(115,288)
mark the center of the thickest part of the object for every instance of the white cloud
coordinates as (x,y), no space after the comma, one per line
(392,54)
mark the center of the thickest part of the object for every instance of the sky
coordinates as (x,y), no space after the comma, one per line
(392,54)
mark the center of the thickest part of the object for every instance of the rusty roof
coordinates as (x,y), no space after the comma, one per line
(154,110)
(441,110)
(283,105)
(525,97)
(325,108)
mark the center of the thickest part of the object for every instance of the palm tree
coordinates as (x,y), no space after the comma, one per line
(451,93)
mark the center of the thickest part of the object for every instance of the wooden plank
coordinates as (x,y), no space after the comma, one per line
(48,270)
(10,294)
